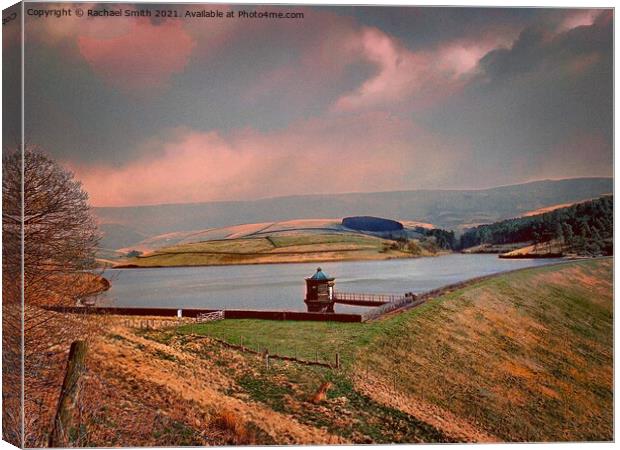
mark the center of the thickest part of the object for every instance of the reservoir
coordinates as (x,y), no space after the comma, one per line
(281,286)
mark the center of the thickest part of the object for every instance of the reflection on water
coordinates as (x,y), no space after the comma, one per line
(281,286)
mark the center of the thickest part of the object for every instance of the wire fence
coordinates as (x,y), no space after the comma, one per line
(326,357)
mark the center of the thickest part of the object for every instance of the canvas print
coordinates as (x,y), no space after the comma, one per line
(303,224)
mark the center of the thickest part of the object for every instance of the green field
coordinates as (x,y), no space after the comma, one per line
(290,338)
(525,356)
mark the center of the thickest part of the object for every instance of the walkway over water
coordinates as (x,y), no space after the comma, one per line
(366,299)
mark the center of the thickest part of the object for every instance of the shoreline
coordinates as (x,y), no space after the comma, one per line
(325,261)
(532,256)
(320,261)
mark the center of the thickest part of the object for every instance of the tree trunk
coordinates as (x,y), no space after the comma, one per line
(68,394)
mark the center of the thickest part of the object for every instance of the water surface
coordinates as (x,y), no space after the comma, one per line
(281,286)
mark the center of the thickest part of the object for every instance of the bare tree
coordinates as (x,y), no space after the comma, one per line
(60,233)
(12,377)
(60,238)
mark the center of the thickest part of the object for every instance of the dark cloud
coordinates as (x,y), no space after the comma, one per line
(537,49)
(541,108)
(422,26)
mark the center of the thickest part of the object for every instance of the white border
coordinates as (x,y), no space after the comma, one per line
(481,3)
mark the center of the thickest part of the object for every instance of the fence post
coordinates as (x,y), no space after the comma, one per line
(337,360)
(68,394)
(267,360)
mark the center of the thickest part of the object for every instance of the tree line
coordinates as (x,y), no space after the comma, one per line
(443,238)
(584,228)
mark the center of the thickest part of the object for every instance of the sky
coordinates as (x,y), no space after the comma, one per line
(147,110)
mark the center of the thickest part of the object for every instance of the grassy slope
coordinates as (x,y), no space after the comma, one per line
(283,248)
(290,338)
(526,356)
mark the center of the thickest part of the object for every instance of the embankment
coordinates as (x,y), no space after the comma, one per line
(525,356)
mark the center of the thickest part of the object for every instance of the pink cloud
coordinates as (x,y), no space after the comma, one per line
(578,18)
(144,56)
(425,75)
(374,151)
(129,53)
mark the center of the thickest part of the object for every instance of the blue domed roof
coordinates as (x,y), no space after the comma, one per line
(319,275)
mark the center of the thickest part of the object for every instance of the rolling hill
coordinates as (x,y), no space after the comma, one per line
(284,247)
(452,209)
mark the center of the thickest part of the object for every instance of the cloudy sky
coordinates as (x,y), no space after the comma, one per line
(149,111)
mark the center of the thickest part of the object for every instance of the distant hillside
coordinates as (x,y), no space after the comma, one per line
(451,209)
(584,228)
